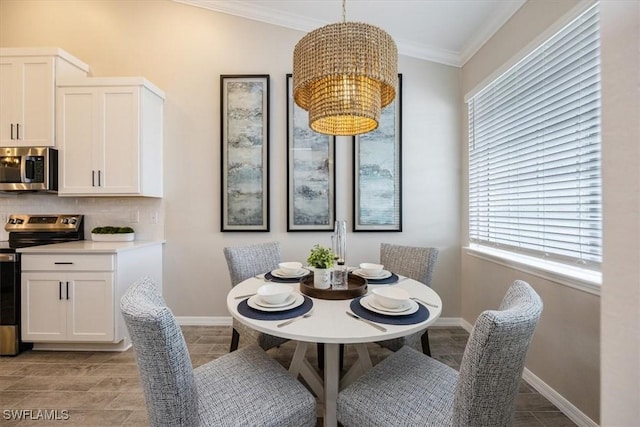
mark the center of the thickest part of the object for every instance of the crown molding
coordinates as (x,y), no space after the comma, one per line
(406,48)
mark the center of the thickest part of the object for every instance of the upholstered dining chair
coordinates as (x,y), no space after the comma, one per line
(416,263)
(245,262)
(243,388)
(410,389)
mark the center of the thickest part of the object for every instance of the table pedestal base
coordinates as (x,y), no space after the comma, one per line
(327,390)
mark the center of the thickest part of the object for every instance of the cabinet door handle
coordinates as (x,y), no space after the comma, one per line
(93,178)
(60,290)
(17,130)
(12,131)
(63,262)
(67,290)
(99,176)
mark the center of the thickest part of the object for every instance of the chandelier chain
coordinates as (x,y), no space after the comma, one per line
(344,10)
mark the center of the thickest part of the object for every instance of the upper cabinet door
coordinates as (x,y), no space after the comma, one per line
(27,88)
(28,79)
(77,127)
(109,133)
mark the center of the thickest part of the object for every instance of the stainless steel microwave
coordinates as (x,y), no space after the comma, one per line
(28,169)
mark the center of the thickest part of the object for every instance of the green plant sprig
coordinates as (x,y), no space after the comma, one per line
(320,257)
(112,230)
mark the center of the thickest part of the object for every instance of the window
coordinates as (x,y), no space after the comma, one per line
(534,152)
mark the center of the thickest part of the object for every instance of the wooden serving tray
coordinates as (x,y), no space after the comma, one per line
(357,286)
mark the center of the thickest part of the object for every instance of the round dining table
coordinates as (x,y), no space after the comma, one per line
(328,322)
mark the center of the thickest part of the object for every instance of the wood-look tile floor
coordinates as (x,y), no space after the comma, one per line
(103,388)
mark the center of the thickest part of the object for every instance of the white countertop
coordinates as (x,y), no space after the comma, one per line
(89,246)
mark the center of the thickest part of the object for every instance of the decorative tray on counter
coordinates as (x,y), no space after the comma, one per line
(357,286)
(120,237)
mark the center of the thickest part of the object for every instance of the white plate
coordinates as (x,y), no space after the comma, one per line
(301,273)
(255,302)
(383,274)
(369,303)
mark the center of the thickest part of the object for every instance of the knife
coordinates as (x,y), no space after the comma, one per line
(369,322)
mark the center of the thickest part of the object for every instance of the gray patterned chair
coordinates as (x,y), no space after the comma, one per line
(416,263)
(245,262)
(411,389)
(243,388)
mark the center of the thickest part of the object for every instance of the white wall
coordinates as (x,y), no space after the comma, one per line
(564,355)
(183,50)
(620,31)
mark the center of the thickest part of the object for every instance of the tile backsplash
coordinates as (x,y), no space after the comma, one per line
(145,215)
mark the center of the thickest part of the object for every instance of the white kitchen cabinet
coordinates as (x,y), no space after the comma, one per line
(71,292)
(68,307)
(27,93)
(109,133)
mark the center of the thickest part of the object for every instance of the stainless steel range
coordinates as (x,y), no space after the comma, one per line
(24,231)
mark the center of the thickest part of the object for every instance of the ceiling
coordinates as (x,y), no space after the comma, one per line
(444,31)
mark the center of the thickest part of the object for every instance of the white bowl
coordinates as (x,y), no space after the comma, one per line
(370,269)
(290,267)
(274,293)
(390,297)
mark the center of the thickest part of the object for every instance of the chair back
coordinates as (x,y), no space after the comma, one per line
(162,356)
(414,262)
(247,261)
(493,359)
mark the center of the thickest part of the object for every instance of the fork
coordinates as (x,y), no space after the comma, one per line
(304,316)
(369,322)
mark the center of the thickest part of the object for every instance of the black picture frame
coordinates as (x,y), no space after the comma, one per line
(311,173)
(377,172)
(244,152)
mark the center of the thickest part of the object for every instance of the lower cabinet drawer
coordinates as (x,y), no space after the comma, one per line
(68,262)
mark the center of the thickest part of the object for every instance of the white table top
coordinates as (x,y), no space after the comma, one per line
(329,322)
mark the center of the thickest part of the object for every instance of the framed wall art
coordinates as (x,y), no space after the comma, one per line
(377,172)
(244,124)
(311,199)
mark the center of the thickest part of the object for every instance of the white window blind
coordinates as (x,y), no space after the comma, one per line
(534,151)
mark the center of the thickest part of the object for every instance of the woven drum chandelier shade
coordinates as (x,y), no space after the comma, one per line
(344,74)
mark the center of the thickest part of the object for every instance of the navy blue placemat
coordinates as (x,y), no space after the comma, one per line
(270,277)
(252,313)
(410,319)
(391,279)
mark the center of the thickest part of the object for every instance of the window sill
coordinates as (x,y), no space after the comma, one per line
(585,280)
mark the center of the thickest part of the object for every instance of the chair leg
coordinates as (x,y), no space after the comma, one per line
(320,355)
(425,343)
(235,339)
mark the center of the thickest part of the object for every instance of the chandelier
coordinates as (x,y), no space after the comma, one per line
(344,74)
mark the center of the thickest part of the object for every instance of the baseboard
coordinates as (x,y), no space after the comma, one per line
(447,322)
(566,407)
(204,320)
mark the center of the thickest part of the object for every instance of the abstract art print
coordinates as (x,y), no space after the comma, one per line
(244,123)
(310,172)
(377,172)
